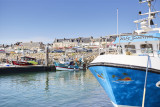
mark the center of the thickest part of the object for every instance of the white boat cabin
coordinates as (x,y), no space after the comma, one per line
(139,44)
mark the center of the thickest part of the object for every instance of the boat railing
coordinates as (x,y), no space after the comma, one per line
(125,50)
(111,51)
(128,51)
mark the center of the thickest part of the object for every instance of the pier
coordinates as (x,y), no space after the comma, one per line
(19,69)
(41,59)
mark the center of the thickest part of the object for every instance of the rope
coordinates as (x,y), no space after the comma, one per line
(144,91)
(155,9)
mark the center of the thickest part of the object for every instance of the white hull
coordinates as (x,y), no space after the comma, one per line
(129,60)
(65,69)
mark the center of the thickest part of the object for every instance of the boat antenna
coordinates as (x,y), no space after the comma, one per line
(147,22)
(117,21)
(117,33)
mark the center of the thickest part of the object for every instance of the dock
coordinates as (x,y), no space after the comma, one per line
(19,69)
(45,63)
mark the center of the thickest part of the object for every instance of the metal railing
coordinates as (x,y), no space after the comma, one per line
(127,51)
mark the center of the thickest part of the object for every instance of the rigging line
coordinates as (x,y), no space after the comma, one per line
(144,92)
(155,10)
(152,6)
(154,3)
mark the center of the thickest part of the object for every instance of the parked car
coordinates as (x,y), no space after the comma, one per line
(2,51)
(41,51)
(89,50)
(78,49)
(85,50)
(70,51)
(57,51)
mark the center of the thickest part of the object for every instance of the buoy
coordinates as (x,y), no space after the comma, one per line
(158,84)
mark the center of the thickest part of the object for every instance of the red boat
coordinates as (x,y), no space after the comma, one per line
(24,61)
(21,63)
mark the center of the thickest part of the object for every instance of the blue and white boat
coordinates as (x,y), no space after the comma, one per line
(67,64)
(131,77)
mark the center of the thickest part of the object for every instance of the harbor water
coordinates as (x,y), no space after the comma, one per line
(52,89)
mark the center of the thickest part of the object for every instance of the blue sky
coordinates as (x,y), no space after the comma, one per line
(45,20)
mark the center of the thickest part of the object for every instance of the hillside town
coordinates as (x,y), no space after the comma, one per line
(70,46)
(58,44)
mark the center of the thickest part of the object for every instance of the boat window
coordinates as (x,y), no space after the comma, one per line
(146,48)
(130,48)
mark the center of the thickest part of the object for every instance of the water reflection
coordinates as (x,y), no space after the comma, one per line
(47,81)
(52,89)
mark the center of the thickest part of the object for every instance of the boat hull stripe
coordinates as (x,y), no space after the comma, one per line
(124,66)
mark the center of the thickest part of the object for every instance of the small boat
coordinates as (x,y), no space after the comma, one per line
(25,61)
(67,64)
(6,65)
(131,76)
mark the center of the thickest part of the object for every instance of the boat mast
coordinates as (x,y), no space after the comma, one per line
(117,26)
(149,14)
(117,33)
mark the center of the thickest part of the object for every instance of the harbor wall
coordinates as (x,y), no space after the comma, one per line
(40,57)
(20,69)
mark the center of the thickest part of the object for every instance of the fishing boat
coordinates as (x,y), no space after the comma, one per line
(131,76)
(25,61)
(67,64)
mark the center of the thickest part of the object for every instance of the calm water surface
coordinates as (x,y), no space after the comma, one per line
(52,89)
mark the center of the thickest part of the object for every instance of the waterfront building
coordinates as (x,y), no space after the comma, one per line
(29,45)
(88,42)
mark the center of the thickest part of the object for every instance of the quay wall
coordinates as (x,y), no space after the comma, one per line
(20,69)
(40,57)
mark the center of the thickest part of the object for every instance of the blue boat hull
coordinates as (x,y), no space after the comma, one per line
(125,86)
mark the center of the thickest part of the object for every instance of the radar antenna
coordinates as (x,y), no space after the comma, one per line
(146,22)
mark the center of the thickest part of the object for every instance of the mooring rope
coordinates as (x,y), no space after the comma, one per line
(144,92)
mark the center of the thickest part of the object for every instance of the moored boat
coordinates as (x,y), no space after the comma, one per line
(65,66)
(25,61)
(68,64)
(131,76)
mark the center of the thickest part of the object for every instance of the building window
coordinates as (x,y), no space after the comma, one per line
(130,48)
(146,48)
